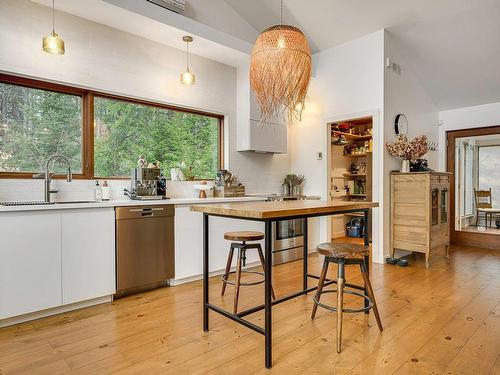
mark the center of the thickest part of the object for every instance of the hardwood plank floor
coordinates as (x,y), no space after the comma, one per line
(442,320)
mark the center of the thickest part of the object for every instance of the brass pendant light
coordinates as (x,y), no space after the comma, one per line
(53,43)
(187,78)
(280,70)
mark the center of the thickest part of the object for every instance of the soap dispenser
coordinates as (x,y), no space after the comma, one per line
(105,191)
(98,192)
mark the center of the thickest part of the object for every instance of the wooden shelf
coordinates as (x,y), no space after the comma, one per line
(354,175)
(354,214)
(352,137)
(356,155)
(354,196)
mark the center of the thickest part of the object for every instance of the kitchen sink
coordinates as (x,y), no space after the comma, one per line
(25,203)
(40,203)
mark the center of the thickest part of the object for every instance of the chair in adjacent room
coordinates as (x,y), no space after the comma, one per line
(483,205)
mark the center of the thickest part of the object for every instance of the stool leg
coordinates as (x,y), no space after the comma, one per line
(321,284)
(263,262)
(237,280)
(340,302)
(228,268)
(368,286)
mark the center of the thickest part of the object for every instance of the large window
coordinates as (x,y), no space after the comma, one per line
(124,131)
(103,136)
(36,124)
(489,171)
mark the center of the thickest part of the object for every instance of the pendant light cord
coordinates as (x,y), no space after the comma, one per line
(53,17)
(187,56)
(281,12)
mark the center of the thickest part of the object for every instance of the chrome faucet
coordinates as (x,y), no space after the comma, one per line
(48,176)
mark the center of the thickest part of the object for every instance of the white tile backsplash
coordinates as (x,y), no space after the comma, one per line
(79,190)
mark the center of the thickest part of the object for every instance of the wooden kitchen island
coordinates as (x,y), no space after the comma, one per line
(269,212)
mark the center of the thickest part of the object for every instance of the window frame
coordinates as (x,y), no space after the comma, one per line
(63,89)
(88,96)
(478,169)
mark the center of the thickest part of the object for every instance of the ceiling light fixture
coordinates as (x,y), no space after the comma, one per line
(280,70)
(52,43)
(187,78)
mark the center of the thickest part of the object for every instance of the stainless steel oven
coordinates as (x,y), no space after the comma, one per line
(288,240)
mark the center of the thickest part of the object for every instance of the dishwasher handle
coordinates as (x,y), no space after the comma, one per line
(143,212)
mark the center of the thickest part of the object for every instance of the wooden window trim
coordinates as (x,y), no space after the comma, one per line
(88,121)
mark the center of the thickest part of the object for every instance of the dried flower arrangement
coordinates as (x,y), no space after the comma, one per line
(406,149)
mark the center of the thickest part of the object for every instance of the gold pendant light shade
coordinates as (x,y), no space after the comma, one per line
(53,44)
(187,78)
(280,70)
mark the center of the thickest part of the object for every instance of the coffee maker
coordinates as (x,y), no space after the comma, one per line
(147,184)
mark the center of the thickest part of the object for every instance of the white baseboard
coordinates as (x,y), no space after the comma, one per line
(174,282)
(54,311)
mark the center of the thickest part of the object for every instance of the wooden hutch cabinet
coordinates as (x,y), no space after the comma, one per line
(420,215)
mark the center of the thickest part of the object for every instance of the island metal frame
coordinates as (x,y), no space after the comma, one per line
(266,331)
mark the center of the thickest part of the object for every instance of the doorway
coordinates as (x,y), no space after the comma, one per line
(473,156)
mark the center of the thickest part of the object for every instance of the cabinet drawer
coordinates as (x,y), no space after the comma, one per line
(440,179)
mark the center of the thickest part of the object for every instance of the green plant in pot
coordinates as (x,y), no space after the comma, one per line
(292,184)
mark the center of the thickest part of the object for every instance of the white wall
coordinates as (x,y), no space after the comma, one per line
(347,80)
(403,93)
(350,81)
(105,59)
(463,118)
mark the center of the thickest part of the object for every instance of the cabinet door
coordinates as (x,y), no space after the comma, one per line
(30,262)
(443,199)
(189,241)
(434,206)
(88,254)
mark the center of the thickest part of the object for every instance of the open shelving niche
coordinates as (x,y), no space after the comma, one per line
(341,163)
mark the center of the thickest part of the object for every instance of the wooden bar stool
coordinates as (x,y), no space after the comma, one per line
(242,246)
(344,254)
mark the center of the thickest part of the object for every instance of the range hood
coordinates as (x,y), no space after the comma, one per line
(253,134)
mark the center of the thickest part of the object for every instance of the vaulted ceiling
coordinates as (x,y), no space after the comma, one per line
(452,45)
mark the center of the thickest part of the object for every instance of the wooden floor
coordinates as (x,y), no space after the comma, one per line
(442,320)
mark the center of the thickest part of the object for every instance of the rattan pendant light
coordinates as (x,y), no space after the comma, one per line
(280,70)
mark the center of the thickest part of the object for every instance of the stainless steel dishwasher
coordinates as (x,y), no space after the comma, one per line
(144,248)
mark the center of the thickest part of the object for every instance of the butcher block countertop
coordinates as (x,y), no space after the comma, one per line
(274,210)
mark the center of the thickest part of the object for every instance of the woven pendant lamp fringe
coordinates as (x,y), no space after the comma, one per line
(280,71)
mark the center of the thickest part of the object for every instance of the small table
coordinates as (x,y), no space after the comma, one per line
(493,212)
(269,212)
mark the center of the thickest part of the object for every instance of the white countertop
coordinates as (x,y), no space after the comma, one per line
(127,202)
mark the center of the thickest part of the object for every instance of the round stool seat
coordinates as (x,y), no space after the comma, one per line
(343,250)
(244,236)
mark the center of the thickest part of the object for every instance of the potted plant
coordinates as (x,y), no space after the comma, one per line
(410,151)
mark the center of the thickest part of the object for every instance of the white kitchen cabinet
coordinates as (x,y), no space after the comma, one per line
(30,262)
(88,254)
(189,241)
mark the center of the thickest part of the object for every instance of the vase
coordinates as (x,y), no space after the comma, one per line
(405,166)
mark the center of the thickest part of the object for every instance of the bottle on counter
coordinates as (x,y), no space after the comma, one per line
(105,191)
(98,192)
